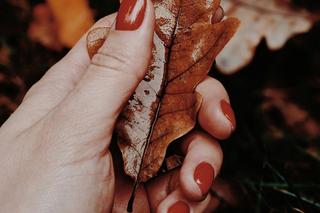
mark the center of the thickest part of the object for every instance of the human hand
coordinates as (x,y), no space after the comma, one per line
(54,149)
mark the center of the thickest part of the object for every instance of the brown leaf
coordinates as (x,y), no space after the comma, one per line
(74,18)
(173,162)
(297,119)
(188,36)
(43,27)
(95,39)
(274,20)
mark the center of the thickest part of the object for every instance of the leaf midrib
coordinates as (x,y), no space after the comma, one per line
(154,121)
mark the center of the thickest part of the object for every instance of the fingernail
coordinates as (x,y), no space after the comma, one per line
(203,176)
(179,207)
(131,14)
(228,112)
(217,15)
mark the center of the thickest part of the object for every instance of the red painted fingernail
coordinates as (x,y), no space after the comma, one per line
(179,207)
(131,14)
(204,175)
(228,112)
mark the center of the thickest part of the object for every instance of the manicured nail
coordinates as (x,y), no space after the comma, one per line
(179,207)
(204,175)
(228,112)
(131,14)
(217,15)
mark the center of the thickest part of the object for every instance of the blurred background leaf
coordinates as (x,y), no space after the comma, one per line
(274,20)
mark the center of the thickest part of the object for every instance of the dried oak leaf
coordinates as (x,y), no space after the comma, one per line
(188,36)
(275,20)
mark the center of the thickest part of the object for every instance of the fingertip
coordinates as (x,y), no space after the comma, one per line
(216,115)
(228,113)
(214,121)
(149,21)
(146,30)
(176,202)
(135,15)
(201,166)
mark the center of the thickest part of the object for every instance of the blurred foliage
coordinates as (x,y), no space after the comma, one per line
(274,161)
(276,171)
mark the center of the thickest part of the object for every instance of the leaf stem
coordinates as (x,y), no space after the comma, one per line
(132,197)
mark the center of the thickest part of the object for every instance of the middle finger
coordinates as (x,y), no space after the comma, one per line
(216,115)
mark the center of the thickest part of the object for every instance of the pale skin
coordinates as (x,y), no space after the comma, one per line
(54,149)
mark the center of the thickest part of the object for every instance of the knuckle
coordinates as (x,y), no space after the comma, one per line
(114,61)
(116,64)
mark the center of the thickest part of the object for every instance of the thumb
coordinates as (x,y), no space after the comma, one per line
(115,71)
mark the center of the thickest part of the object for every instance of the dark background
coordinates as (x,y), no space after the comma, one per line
(275,166)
